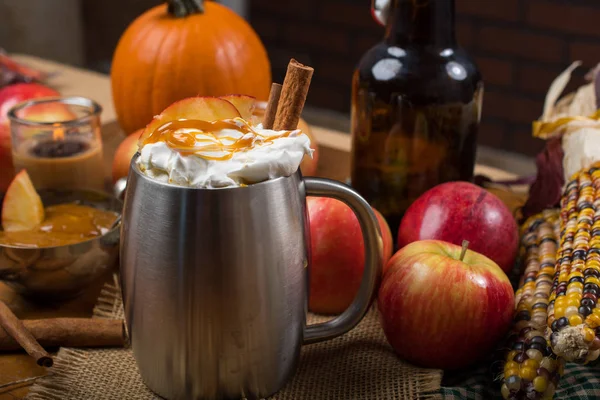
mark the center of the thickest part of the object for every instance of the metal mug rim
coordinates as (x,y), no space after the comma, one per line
(95,110)
(116,228)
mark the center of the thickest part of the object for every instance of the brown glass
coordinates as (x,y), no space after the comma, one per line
(416,105)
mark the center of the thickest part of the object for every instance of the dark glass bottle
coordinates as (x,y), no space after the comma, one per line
(416,106)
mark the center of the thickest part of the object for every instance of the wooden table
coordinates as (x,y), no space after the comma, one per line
(334,163)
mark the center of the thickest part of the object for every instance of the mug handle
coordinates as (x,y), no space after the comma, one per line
(373,259)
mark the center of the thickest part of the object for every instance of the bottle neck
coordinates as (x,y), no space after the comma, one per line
(421,23)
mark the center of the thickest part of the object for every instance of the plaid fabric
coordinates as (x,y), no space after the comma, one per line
(578,383)
(475,383)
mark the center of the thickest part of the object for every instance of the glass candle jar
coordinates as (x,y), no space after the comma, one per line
(58,142)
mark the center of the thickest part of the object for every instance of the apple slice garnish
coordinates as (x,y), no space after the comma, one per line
(202,108)
(244,104)
(22,209)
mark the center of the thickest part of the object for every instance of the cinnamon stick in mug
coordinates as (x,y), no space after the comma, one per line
(271,110)
(15,328)
(293,95)
(70,332)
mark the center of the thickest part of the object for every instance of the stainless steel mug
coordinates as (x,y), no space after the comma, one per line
(215,283)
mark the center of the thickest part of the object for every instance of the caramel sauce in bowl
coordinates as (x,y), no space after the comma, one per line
(80,248)
(64,224)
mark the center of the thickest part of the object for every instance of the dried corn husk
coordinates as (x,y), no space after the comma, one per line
(575,119)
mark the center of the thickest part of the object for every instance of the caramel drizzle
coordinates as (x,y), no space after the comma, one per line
(186,143)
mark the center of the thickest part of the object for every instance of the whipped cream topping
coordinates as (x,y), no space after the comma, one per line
(225,157)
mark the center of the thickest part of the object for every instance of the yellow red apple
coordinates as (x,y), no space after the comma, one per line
(457,211)
(440,312)
(12,95)
(9,97)
(123,155)
(22,208)
(337,254)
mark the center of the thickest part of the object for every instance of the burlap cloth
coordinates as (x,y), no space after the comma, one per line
(358,365)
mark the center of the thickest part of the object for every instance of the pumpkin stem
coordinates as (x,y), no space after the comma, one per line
(183,8)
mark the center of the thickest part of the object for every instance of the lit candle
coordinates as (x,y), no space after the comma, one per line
(58,141)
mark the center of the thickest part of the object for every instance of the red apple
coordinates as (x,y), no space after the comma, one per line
(337,254)
(440,312)
(457,211)
(9,97)
(13,94)
(123,155)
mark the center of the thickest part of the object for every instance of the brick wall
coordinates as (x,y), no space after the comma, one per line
(519,45)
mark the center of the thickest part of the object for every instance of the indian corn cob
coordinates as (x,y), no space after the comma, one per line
(573,314)
(532,370)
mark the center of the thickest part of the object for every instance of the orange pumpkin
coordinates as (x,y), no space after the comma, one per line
(183,49)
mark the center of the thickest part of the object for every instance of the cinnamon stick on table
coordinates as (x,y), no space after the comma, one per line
(15,328)
(272,103)
(70,332)
(293,95)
